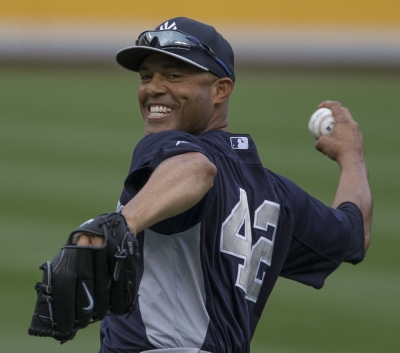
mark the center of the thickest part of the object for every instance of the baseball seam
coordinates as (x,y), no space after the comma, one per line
(320,124)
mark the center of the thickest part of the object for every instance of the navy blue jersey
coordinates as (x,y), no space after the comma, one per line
(206,274)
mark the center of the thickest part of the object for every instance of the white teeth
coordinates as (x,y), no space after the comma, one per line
(159,109)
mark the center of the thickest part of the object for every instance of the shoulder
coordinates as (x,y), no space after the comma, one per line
(287,189)
(153,149)
(166,144)
(166,138)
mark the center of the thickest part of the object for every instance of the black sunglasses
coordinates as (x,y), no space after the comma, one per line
(177,40)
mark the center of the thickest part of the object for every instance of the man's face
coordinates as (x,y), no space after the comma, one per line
(174,95)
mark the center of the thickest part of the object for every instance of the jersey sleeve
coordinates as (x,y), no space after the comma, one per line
(322,237)
(152,150)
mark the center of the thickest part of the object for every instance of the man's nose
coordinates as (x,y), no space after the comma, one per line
(156,86)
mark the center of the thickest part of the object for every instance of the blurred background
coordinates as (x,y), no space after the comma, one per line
(70,120)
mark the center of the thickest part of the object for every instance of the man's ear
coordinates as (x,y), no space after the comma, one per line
(222,89)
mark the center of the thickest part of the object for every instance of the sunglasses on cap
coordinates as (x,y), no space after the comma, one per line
(177,40)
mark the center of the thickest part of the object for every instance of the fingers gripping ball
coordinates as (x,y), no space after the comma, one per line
(321,123)
(83,283)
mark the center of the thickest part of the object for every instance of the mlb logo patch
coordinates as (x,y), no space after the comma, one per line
(240,143)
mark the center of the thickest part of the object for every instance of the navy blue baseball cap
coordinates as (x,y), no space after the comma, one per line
(185,39)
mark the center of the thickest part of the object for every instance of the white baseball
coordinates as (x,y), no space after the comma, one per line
(321,123)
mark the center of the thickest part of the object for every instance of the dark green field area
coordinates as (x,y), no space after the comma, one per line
(66,140)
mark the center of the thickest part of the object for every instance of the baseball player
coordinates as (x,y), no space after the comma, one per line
(214,227)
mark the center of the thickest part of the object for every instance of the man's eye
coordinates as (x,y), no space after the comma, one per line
(145,77)
(173,76)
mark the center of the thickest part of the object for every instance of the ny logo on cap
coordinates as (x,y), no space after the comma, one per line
(165,26)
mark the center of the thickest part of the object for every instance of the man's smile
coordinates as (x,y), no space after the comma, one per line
(158,111)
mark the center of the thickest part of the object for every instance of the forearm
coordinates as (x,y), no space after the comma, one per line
(176,185)
(345,146)
(353,186)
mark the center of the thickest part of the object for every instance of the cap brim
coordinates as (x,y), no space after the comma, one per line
(132,57)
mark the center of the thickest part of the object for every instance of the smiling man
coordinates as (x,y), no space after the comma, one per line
(175,95)
(215,228)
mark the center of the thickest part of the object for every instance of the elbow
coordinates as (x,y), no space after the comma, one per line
(209,171)
(204,172)
(367,228)
(200,171)
(367,240)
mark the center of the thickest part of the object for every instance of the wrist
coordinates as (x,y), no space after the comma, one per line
(129,222)
(351,160)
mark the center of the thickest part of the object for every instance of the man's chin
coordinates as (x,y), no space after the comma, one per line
(151,129)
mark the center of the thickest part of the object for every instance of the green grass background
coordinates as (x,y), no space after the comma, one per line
(66,138)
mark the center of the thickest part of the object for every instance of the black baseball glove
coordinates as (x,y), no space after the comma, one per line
(83,283)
